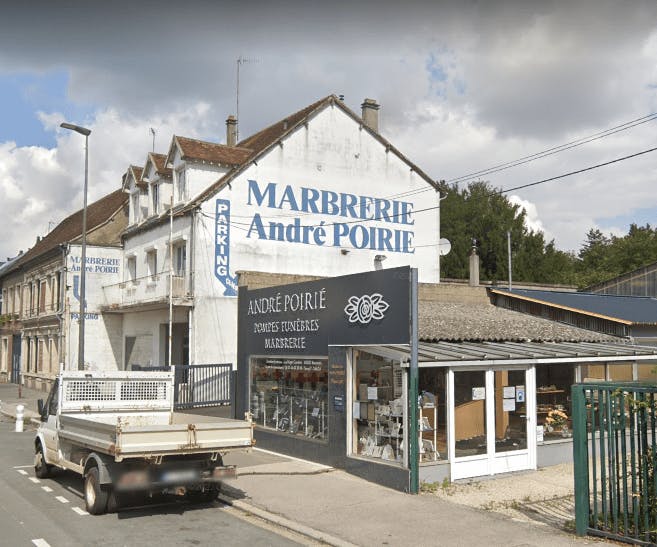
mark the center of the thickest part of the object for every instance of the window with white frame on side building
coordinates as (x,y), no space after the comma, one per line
(179,259)
(131,268)
(151,264)
(155,198)
(134,206)
(181,185)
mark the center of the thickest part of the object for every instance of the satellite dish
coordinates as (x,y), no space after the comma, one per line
(444,246)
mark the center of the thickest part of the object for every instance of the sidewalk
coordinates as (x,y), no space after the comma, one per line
(334,507)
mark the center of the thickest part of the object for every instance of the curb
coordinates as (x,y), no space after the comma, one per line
(285,523)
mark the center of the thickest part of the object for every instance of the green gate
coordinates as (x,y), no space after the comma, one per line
(614,452)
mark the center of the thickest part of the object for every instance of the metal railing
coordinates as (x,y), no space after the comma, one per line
(202,385)
(615,458)
(146,289)
(198,385)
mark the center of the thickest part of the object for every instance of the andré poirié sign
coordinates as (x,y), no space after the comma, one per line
(305,318)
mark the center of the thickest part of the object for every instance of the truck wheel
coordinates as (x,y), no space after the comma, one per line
(41,469)
(95,498)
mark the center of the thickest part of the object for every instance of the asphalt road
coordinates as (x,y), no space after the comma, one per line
(50,512)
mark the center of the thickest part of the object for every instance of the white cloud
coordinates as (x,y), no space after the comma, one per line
(463,86)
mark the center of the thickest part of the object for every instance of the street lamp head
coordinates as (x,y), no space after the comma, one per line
(82,130)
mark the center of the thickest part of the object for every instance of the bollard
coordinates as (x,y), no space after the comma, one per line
(19,418)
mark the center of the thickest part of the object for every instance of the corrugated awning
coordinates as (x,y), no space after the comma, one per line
(509,353)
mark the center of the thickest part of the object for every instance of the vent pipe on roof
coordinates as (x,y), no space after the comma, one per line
(231,131)
(474,265)
(371,114)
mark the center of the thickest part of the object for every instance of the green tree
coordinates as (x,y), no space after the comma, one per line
(480,212)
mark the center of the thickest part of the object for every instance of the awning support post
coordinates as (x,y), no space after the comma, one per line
(413,394)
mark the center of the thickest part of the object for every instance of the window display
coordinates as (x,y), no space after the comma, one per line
(290,396)
(553,404)
(433,414)
(379,409)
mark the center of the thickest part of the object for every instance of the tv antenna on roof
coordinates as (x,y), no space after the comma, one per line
(240,61)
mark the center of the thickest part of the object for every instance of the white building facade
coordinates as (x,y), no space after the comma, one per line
(320,193)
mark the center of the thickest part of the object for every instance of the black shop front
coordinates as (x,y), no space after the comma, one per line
(314,390)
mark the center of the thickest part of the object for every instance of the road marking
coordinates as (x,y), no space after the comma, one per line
(41,542)
(61,498)
(46,489)
(21,466)
(22,472)
(35,481)
(79,511)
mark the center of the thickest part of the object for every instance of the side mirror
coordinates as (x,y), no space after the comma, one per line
(42,409)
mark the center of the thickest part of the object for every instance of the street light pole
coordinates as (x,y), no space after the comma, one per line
(83,266)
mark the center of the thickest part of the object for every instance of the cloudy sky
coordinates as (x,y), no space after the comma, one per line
(463,86)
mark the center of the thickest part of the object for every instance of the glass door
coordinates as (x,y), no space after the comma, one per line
(492,416)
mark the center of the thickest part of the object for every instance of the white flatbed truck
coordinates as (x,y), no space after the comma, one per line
(118,430)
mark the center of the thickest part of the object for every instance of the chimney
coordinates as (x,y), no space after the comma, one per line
(231,131)
(474,267)
(371,114)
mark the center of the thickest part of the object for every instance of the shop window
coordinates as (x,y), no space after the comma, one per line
(291,396)
(553,402)
(647,372)
(433,414)
(379,409)
(621,372)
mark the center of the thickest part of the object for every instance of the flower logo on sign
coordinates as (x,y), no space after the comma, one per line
(365,308)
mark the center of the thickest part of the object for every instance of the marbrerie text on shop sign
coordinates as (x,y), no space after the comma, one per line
(287,333)
(351,207)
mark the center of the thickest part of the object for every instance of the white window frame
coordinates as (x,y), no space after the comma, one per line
(131,268)
(151,264)
(180,259)
(155,198)
(181,184)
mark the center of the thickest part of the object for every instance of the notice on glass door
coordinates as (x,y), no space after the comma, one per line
(509,405)
(478,393)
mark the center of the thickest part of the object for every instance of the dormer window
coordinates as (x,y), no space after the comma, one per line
(181,185)
(135,207)
(155,198)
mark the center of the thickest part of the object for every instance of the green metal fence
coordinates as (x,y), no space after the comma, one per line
(615,455)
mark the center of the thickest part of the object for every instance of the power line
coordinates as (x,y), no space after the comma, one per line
(578,171)
(539,155)
(239,225)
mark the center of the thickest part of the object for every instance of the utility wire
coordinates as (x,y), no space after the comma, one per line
(578,171)
(539,155)
(239,225)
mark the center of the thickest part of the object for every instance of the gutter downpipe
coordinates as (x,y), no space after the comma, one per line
(62,307)
(170,277)
(191,317)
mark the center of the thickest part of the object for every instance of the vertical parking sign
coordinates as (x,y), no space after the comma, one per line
(222,248)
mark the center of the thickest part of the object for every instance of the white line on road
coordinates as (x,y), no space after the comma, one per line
(46,489)
(41,542)
(35,481)
(21,466)
(62,499)
(79,511)
(22,472)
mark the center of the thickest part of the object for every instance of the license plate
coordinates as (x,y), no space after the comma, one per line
(180,475)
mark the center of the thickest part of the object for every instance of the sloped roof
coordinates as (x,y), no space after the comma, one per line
(632,309)
(460,322)
(159,161)
(261,142)
(70,229)
(211,152)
